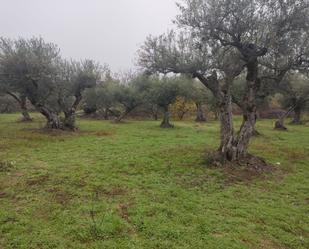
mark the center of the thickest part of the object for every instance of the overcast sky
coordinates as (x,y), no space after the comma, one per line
(109,31)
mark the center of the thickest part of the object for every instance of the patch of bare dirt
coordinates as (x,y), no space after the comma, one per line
(248,169)
(245,170)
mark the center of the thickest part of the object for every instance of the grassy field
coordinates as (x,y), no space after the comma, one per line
(134,185)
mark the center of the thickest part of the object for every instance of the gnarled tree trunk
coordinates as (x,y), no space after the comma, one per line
(249,111)
(227,150)
(53,119)
(69,121)
(166,119)
(200,117)
(242,106)
(234,147)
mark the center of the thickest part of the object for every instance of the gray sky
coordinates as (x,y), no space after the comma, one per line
(109,31)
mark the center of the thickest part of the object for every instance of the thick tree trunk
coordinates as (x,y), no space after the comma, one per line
(227,150)
(24,109)
(249,111)
(256,133)
(53,119)
(54,122)
(234,147)
(166,119)
(200,117)
(245,133)
(69,121)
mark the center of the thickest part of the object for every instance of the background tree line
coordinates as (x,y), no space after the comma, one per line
(32,72)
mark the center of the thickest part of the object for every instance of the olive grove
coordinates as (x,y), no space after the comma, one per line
(219,40)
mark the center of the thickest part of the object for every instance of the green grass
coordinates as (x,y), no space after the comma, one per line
(134,185)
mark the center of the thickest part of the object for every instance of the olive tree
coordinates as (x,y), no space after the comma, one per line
(9,88)
(192,95)
(295,98)
(150,102)
(201,96)
(30,67)
(163,93)
(34,69)
(73,79)
(220,39)
(130,95)
(100,99)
